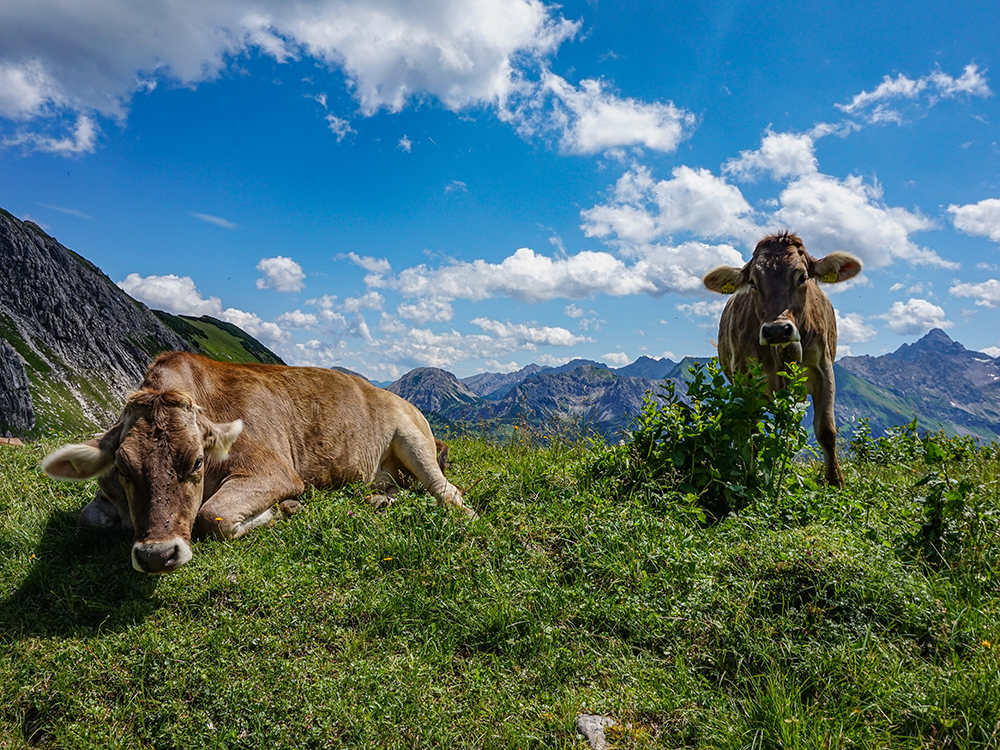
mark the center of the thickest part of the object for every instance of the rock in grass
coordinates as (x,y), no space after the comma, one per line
(592,727)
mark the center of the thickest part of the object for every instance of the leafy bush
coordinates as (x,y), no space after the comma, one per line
(947,515)
(906,443)
(726,447)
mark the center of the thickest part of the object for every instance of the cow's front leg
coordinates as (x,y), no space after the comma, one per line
(244,503)
(822,388)
(100,513)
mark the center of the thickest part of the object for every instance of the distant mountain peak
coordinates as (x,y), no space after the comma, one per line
(432,389)
(935,341)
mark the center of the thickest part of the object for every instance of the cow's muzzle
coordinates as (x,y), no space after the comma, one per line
(779,333)
(160,557)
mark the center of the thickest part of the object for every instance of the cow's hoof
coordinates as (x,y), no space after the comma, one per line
(380,502)
(289,507)
(469,512)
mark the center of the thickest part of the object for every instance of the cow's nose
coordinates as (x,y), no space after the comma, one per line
(779,332)
(159,557)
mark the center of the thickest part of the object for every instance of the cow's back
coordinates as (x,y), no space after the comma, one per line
(332,427)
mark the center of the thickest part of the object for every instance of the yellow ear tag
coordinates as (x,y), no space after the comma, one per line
(830,278)
(727,289)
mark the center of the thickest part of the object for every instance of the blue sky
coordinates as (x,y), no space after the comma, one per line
(477,185)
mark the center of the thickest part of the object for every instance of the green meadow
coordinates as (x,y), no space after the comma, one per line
(595,580)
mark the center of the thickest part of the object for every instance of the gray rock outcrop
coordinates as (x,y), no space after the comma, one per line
(82,342)
(16,413)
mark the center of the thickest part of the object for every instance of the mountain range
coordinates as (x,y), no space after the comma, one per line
(936,381)
(73,344)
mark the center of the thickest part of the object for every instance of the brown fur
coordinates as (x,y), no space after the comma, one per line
(778,313)
(214,448)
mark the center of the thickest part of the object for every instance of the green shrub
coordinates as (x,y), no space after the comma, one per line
(726,447)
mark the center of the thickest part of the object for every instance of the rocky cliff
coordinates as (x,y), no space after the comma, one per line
(74,343)
(17,414)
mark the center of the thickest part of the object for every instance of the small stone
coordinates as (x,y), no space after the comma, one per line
(592,727)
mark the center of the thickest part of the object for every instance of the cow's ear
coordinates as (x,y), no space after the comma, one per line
(836,267)
(724,279)
(82,461)
(218,438)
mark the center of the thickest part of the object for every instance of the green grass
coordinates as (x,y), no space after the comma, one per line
(810,623)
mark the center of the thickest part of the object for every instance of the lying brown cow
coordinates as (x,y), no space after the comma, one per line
(218,449)
(778,313)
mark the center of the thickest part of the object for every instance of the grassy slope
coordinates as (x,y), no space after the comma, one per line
(218,339)
(801,626)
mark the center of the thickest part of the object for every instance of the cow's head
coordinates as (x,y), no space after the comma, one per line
(159,451)
(780,276)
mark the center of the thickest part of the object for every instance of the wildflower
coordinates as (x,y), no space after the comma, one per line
(986,644)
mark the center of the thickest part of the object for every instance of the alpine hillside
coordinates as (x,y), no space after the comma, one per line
(72,344)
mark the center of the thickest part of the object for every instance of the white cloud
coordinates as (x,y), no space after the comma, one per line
(58,58)
(180,296)
(703,309)
(781,155)
(914,316)
(81,140)
(986,293)
(406,144)
(572,311)
(618,359)
(852,328)
(642,210)
(175,294)
(592,120)
(281,274)
(338,126)
(831,214)
(403,347)
(970,82)
(316,353)
(219,222)
(529,335)
(68,211)
(370,264)
(297,319)
(992,351)
(917,288)
(981,219)
(427,308)
(267,333)
(320,98)
(26,89)
(874,105)
(530,277)
(358,327)
(370,300)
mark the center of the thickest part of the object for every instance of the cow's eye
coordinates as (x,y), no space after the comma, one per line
(753,285)
(197,464)
(803,279)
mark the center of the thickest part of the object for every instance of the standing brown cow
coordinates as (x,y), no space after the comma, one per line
(778,314)
(218,449)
